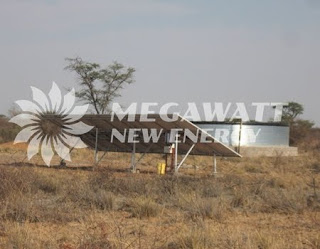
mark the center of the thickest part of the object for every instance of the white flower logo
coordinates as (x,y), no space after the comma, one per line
(51,124)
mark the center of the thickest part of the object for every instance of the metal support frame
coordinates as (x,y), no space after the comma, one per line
(96,147)
(99,160)
(144,153)
(176,154)
(62,161)
(240,133)
(133,158)
(185,157)
(214,163)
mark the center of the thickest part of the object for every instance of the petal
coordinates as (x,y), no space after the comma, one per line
(24,119)
(46,151)
(73,142)
(24,135)
(55,97)
(33,147)
(28,106)
(39,97)
(77,113)
(62,150)
(68,101)
(78,128)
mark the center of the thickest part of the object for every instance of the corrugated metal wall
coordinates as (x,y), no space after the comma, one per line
(251,135)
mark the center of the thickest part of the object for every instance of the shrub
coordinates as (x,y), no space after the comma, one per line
(142,207)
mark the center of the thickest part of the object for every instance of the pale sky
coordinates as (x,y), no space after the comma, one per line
(183,50)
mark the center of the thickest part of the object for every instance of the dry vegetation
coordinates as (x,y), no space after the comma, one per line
(8,131)
(252,203)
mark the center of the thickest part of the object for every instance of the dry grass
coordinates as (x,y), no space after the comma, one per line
(251,203)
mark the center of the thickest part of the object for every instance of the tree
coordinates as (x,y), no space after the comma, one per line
(291,112)
(100,86)
(299,128)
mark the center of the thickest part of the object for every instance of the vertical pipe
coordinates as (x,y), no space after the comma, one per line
(172,155)
(96,147)
(176,154)
(240,132)
(166,158)
(214,164)
(133,158)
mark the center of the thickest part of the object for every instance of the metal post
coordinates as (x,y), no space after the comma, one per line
(96,147)
(214,164)
(240,133)
(172,155)
(176,154)
(133,158)
(97,163)
(185,157)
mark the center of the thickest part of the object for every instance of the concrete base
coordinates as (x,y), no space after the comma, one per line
(268,151)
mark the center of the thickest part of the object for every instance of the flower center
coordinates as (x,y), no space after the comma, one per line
(51,125)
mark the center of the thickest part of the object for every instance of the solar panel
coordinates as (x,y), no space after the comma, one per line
(105,125)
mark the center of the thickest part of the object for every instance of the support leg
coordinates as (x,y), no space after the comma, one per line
(214,164)
(96,147)
(176,155)
(62,161)
(185,157)
(133,158)
(99,160)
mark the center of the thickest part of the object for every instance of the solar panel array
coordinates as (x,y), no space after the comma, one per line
(104,124)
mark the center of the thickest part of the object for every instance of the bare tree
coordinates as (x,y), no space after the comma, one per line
(100,86)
